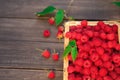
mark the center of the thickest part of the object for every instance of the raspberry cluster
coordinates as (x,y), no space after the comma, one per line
(98,52)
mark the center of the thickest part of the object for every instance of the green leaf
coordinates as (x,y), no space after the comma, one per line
(116,3)
(59,16)
(74,53)
(67,51)
(47,10)
(72,43)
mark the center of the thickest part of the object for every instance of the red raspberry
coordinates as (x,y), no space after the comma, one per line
(86,47)
(89,33)
(86,71)
(78,37)
(109,65)
(46,33)
(118,78)
(99,78)
(110,36)
(86,78)
(103,72)
(113,74)
(59,35)
(46,53)
(103,35)
(92,51)
(105,57)
(69,57)
(97,42)
(79,62)
(84,38)
(100,50)
(84,23)
(60,29)
(104,45)
(51,21)
(70,69)
(78,43)
(78,78)
(107,78)
(96,34)
(100,23)
(94,75)
(74,35)
(97,28)
(99,62)
(87,63)
(115,28)
(71,76)
(78,68)
(116,58)
(117,47)
(68,34)
(107,29)
(55,57)
(94,70)
(83,55)
(51,75)
(94,57)
(117,70)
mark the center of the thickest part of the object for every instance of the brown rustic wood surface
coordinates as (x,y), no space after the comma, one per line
(21,32)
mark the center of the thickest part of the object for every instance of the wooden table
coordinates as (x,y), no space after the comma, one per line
(21,32)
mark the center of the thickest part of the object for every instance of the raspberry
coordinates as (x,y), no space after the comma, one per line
(118,78)
(97,42)
(86,47)
(74,35)
(117,47)
(117,70)
(100,50)
(103,35)
(68,34)
(92,51)
(60,29)
(94,57)
(46,54)
(107,78)
(94,70)
(110,36)
(86,71)
(107,29)
(99,78)
(104,45)
(84,23)
(116,58)
(115,28)
(96,28)
(100,23)
(79,62)
(84,55)
(78,37)
(78,68)
(102,72)
(99,62)
(89,33)
(55,57)
(78,78)
(51,21)
(70,69)
(59,35)
(71,76)
(86,78)
(113,74)
(84,38)
(69,57)
(87,63)
(96,34)
(105,57)
(109,65)
(51,75)
(46,33)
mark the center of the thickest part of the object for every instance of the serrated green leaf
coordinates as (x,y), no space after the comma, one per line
(59,16)
(67,51)
(116,3)
(47,10)
(74,53)
(72,43)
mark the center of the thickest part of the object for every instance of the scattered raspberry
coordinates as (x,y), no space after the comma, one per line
(60,29)
(59,35)
(46,53)
(51,75)
(51,21)
(55,56)
(46,33)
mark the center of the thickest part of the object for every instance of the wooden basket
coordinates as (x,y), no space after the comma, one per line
(66,40)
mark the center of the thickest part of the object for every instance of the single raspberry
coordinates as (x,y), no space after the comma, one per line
(86,71)
(69,57)
(89,33)
(105,57)
(46,33)
(83,55)
(51,21)
(117,47)
(68,34)
(97,42)
(86,78)
(78,78)
(84,23)
(104,45)
(116,58)
(117,70)
(78,68)
(110,36)
(46,53)
(79,62)
(55,56)
(92,51)
(71,76)
(94,57)
(86,47)
(78,37)
(100,50)
(84,38)
(99,78)
(59,35)
(107,78)
(107,29)
(74,35)
(113,74)
(60,29)
(78,43)
(94,75)
(51,75)
(115,28)
(100,23)
(103,72)
(87,63)
(99,62)
(96,34)
(103,35)
(94,70)
(108,65)
(70,69)
(96,28)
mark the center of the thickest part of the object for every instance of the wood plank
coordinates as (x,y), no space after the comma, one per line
(26,30)
(94,9)
(27,8)
(17,54)
(16,74)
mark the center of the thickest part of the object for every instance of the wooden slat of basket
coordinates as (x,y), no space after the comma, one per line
(66,41)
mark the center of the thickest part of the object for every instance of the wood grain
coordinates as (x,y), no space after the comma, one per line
(26,30)
(20,54)
(16,74)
